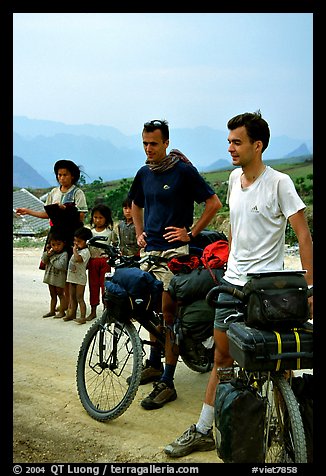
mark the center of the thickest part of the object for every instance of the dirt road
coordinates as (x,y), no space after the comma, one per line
(50,424)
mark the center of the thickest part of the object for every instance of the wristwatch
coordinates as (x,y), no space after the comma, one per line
(190,235)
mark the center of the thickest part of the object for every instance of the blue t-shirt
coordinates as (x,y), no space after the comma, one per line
(168,200)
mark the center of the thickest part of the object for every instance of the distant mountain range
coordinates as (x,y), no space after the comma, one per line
(103,151)
(24,176)
(302,151)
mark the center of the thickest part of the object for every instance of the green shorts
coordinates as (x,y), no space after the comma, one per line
(224,316)
(161,270)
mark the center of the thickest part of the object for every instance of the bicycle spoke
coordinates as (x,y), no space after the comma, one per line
(284,435)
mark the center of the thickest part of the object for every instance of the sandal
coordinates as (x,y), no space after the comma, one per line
(90,317)
(58,316)
(79,320)
(49,314)
(69,317)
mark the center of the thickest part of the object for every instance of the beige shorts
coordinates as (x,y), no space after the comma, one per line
(161,270)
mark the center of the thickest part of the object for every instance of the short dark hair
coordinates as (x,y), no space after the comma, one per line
(163,125)
(127,202)
(69,165)
(257,128)
(56,235)
(105,211)
(83,233)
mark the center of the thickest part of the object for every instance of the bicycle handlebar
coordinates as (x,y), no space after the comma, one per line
(118,260)
(212,296)
(112,251)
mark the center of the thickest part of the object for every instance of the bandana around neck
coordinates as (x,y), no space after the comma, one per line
(168,162)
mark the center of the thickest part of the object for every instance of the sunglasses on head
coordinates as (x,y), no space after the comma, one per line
(155,123)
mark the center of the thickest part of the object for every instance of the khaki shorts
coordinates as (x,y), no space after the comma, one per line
(161,270)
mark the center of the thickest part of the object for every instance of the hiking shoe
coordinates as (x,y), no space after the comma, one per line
(191,440)
(160,395)
(149,374)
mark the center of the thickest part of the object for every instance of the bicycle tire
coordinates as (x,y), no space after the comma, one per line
(197,367)
(107,389)
(284,433)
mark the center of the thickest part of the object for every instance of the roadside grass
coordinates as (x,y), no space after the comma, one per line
(29,242)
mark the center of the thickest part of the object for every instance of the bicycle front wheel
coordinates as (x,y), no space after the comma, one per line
(109,368)
(284,434)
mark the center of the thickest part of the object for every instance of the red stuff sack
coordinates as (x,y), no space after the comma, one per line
(183,264)
(215,255)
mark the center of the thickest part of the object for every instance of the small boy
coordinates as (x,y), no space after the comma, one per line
(126,232)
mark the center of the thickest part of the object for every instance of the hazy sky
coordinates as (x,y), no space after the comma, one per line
(193,69)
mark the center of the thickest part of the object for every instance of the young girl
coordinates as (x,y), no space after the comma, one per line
(55,258)
(101,225)
(77,276)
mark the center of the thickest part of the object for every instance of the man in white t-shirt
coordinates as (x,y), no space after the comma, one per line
(261,201)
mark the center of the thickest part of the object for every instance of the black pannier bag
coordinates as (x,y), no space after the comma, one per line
(117,301)
(194,328)
(197,324)
(193,286)
(197,320)
(239,423)
(257,349)
(276,300)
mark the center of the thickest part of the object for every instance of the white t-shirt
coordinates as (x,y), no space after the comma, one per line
(258,218)
(112,240)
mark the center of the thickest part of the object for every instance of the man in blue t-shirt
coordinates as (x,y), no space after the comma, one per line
(163,195)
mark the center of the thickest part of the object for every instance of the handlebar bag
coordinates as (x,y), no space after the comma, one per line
(276,301)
